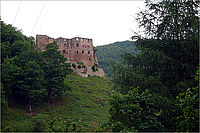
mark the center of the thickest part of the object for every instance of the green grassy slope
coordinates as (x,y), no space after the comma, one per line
(86,105)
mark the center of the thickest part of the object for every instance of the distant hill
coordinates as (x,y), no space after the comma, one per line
(110,53)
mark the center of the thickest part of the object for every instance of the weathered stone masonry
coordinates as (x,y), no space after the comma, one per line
(76,49)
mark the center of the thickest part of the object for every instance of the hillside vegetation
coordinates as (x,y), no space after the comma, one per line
(40,93)
(85,106)
(153,90)
(111,53)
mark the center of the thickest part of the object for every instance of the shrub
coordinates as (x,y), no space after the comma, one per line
(80,63)
(73,65)
(79,66)
(69,64)
(39,124)
(93,68)
(61,125)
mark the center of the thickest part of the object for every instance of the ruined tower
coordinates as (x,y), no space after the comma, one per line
(76,49)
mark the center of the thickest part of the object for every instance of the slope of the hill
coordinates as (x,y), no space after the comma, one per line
(86,106)
(108,54)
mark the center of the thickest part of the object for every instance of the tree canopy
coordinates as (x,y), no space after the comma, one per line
(165,66)
(30,75)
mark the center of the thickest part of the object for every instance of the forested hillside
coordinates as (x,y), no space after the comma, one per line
(154,86)
(109,54)
(39,91)
(157,90)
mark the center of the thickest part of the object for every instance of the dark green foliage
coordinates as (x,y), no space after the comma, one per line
(126,78)
(135,111)
(79,66)
(39,124)
(5,50)
(54,69)
(33,80)
(93,68)
(111,53)
(29,75)
(171,52)
(73,65)
(61,125)
(187,109)
(4,102)
(80,63)
(11,75)
(166,63)
(170,19)
(10,34)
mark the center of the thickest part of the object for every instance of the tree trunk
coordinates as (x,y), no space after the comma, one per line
(30,109)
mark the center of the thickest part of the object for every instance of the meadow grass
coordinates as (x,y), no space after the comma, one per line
(86,105)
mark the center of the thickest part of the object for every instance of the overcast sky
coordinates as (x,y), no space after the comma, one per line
(103,21)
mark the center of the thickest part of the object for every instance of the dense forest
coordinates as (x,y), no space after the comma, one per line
(157,90)
(111,54)
(154,86)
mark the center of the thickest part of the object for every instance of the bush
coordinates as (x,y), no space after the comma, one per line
(80,63)
(39,124)
(73,65)
(135,111)
(69,64)
(8,129)
(61,125)
(93,68)
(79,66)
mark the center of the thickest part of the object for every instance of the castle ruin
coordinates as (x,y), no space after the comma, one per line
(77,50)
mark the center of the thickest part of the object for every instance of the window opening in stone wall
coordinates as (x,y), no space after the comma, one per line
(88,52)
(77,52)
(63,51)
(89,59)
(77,45)
(82,51)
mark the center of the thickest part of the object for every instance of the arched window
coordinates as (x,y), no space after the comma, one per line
(88,52)
(82,51)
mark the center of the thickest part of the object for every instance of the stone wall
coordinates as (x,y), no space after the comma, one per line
(76,49)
